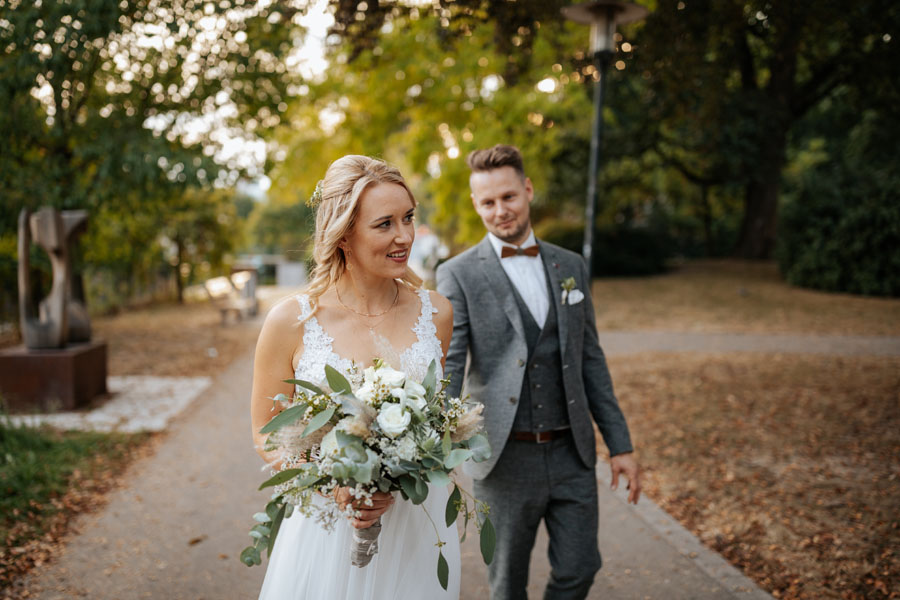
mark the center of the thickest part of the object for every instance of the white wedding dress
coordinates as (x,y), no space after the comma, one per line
(310,563)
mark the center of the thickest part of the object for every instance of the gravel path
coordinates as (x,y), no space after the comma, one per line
(632,342)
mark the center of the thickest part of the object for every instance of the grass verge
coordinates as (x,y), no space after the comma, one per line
(789,466)
(46,477)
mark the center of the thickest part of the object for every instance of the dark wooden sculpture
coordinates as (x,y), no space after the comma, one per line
(58,367)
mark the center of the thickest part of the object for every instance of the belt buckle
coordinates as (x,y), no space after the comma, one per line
(542,437)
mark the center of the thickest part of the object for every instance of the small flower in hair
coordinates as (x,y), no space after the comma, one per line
(316,197)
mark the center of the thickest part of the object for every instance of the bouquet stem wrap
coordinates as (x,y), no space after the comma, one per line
(365,544)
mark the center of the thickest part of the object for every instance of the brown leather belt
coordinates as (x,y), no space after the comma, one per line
(541,437)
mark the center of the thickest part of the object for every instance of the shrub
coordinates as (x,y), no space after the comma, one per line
(618,250)
(841,233)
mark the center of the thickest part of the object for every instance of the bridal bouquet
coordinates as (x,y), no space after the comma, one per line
(391,434)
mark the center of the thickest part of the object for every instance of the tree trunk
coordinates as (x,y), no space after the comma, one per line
(179,284)
(706,213)
(757,235)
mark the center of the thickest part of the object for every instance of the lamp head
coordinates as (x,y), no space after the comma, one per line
(603,16)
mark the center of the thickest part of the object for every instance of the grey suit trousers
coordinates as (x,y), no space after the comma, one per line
(542,481)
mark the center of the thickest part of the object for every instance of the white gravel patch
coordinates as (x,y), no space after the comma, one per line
(135,403)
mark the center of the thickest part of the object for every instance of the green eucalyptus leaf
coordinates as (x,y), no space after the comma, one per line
(421,490)
(452,510)
(340,472)
(438,477)
(446,444)
(281,477)
(354,453)
(443,570)
(305,384)
(262,529)
(408,486)
(285,417)
(272,509)
(261,517)
(481,449)
(488,540)
(276,525)
(457,457)
(345,439)
(336,381)
(318,420)
(410,465)
(307,480)
(247,556)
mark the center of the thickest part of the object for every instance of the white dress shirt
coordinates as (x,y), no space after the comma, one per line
(527,275)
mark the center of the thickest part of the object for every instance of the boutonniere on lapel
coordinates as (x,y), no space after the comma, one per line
(570,294)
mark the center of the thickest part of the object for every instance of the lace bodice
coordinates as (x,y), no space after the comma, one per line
(318,347)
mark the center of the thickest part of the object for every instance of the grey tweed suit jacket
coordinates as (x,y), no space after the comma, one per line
(489,352)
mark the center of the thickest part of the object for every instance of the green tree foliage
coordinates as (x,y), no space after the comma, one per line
(276,228)
(730,80)
(107,105)
(840,229)
(426,109)
(199,229)
(722,88)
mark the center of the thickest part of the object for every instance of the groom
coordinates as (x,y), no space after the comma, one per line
(523,317)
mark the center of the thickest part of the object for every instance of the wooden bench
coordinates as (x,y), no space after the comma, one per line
(235,294)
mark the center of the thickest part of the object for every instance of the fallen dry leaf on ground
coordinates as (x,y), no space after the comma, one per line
(789,466)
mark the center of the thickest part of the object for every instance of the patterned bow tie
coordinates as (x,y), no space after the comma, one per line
(508,251)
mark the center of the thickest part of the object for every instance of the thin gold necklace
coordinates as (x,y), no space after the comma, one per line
(371,316)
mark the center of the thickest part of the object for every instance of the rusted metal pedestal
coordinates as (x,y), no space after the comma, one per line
(52,380)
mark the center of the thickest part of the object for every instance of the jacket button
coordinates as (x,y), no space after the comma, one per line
(521,362)
(512,399)
(565,366)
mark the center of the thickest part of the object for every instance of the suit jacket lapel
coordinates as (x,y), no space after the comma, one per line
(551,264)
(497,281)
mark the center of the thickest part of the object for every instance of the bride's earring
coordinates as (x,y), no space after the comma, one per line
(347,258)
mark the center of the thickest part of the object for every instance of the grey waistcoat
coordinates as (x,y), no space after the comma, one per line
(542,403)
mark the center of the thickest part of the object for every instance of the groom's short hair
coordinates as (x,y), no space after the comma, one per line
(501,155)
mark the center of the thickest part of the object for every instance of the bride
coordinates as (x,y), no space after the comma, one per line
(362,302)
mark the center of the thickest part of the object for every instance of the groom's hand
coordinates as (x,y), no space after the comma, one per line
(627,466)
(368,513)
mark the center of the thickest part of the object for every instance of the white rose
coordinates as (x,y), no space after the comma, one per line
(411,394)
(329,443)
(391,378)
(393,420)
(415,394)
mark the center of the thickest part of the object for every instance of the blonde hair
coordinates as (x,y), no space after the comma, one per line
(345,181)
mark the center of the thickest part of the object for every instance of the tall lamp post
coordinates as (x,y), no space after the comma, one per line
(602,16)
